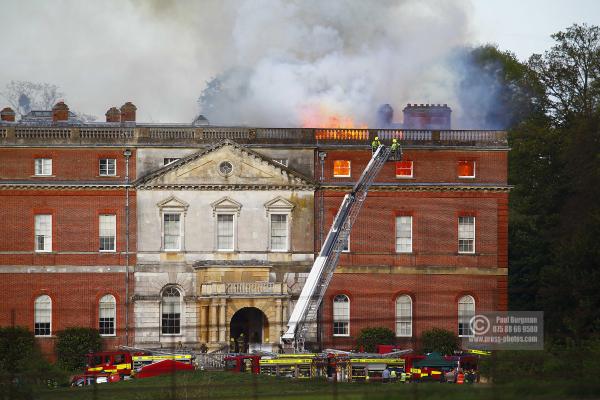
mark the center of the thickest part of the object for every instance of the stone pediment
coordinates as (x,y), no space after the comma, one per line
(172,202)
(226,165)
(279,204)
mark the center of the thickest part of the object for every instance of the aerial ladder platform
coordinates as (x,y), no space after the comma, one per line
(305,310)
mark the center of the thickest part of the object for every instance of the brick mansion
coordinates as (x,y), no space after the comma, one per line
(170,235)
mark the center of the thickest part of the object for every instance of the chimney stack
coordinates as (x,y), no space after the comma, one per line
(60,112)
(113,115)
(128,112)
(427,116)
(7,115)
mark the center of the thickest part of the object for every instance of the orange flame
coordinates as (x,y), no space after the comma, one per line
(322,117)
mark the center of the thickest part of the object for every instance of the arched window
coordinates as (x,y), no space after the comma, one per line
(341,315)
(466,311)
(404,316)
(43,316)
(171,311)
(107,314)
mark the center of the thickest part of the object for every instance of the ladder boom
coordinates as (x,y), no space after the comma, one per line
(322,270)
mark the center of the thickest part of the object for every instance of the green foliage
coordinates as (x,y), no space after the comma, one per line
(73,344)
(369,338)
(17,345)
(439,340)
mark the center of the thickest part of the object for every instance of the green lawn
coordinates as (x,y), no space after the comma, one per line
(224,385)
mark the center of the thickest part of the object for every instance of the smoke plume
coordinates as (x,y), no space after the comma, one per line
(294,63)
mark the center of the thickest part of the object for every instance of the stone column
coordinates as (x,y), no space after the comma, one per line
(213,327)
(278,318)
(223,321)
(203,323)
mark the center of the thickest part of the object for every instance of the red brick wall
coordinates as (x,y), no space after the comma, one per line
(435,228)
(67,163)
(75,225)
(75,298)
(428,166)
(435,302)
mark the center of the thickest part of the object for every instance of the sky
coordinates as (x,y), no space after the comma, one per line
(279,62)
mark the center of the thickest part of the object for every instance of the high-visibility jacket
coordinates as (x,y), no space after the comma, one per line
(460,378)
(403,377)
(375,144)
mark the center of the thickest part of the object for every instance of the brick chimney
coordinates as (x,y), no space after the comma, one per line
(427,116)
(128,112)
(113,115)
(7,115)
(60,112)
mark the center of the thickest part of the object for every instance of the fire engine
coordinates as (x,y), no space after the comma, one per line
(112,366)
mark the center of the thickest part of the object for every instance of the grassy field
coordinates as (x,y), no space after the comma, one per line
(224,385)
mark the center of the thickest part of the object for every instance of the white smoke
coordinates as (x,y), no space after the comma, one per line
(279,63)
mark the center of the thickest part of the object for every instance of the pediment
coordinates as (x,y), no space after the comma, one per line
(172,202)
(227,205)
(226,164)
(279,204)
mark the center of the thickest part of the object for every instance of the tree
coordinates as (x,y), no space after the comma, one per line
(569,72)
(439,340)
(369,338)
(25,96)
(73,344)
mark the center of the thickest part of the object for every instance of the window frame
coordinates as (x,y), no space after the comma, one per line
(41,161)
(113,301)
(180,214)
(35,316)
(462,315)
(173,159)
(397,237)
(162,313)
(340,320)
(114,237)
(349,169)
(35,234)
(286,248)
(107,172)
(412,170)
(473,238)
(233,231)
(467,176)
(399,317)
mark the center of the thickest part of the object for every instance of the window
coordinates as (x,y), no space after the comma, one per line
(43,316)
(466,169)
(108,167)
(43,166)
(404,169)
(107,315)
(43,232)
(404,316)
(404,234)
(341,315)
(282,161)
(466,311)
(108,232)
(225,232)
(172,231)
(341,168)
(466,234)
(171,311)
(346,248)
(279,232)
(169,160)
(226,168)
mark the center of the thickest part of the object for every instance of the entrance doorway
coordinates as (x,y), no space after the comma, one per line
(247,329)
